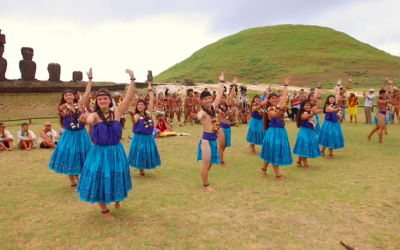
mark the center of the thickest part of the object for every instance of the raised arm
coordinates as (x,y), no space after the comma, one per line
(232,93)
(284,92)
(151,95)
(348,83)
(390,85)
(338,85)
(129,93)
(220,90)
(82,101)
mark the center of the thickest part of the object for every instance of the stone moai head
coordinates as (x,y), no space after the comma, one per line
(77,76)
(27,53)
(54,72)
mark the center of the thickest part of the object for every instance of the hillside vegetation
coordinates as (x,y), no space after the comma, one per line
(267,54)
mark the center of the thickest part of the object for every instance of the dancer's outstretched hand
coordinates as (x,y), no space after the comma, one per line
(390,81)
(90,74)
(235,81)
(269,89)
(222,77)
(319,85)
(130,72)
(287,81)
(149,86)
(350,79)
(339,82)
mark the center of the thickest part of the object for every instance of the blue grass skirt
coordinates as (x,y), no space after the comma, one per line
(307,144)
(276,148)
(106,175)
(317,126)
(255,134)
(214,152)
(228,136)
(70,154)
(143,153)
(331,135)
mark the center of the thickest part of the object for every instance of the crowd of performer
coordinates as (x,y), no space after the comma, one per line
(98,168)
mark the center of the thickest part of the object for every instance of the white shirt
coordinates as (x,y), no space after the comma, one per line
(7,134)
(51,135)
(369,102)
(25,138)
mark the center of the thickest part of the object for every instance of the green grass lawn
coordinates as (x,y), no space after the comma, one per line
(353,199)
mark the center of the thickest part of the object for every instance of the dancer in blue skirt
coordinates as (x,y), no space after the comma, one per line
(224,112)
(256,134)
(71,151)
(106,175)
(207,151)
(313,102)
(275,147)
(331,135)
(306,142)
(143,153)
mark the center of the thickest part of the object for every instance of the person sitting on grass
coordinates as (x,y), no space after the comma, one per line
(6,139)
(25,137)
(48,137)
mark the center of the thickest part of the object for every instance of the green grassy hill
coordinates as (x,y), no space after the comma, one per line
(267,54)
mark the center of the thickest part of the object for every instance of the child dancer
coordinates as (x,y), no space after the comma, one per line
(143,152)
(71,151)
(276,148)
(256,134)
(331,135)
(106,175)
(307,143)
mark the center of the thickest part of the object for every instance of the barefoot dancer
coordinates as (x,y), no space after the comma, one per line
(396,104)
(256,134)
(306,142)
(331,135)
(342,99)
(318,111)
(207,150)
(106,175)
(224,114)
(174,108)
(380,116)
(69,156)
(143,152)
(276,148)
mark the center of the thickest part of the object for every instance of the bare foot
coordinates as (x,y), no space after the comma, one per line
(108,217)
(381,142)
(74,187)
(28,149)
(298,164)
(332,157)
(323,153)
(307,167)
(386,133)
(8,149)
(117,205)
(368,138)
(143,176)
(224,165)
(279,178)
(208,188)
(264,172)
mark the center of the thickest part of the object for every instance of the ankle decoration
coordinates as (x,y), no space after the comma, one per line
(105,212)
(206,185)
(74,185)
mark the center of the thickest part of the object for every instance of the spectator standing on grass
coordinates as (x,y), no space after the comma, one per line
(6,138)
(264,96)
(48,137)
(25,137)
(369,102)
(295,102)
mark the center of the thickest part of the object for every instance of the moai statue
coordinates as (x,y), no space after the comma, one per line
(3,62)
(77,76)
(54,72)
(27,66)
(150,76)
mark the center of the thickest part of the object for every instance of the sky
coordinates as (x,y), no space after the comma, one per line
(111,36)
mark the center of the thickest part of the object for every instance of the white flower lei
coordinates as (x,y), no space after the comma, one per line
(73,126)
(312,120)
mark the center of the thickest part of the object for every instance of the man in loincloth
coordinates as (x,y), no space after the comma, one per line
(342,99)
(380,116)
(174,109)
(395,104)
(189,106)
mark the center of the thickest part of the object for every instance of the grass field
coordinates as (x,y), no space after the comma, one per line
(268,54)
(353,199)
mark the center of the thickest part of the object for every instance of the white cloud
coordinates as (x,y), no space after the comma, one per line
(153,43)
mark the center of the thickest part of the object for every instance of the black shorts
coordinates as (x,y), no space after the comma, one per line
(6,144)
(44,146)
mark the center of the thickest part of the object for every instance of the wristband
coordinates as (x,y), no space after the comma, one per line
(90,78)
(221,81)
(133,79)
(150,90)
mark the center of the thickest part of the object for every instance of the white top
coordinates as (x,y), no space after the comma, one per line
(369,102)
(22,137)
(6,134)
(51,135)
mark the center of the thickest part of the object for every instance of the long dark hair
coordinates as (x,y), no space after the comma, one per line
(265,116)
(99,92)
(252,100)
(145,106)
(62,101)
(327,102)
(301,111)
